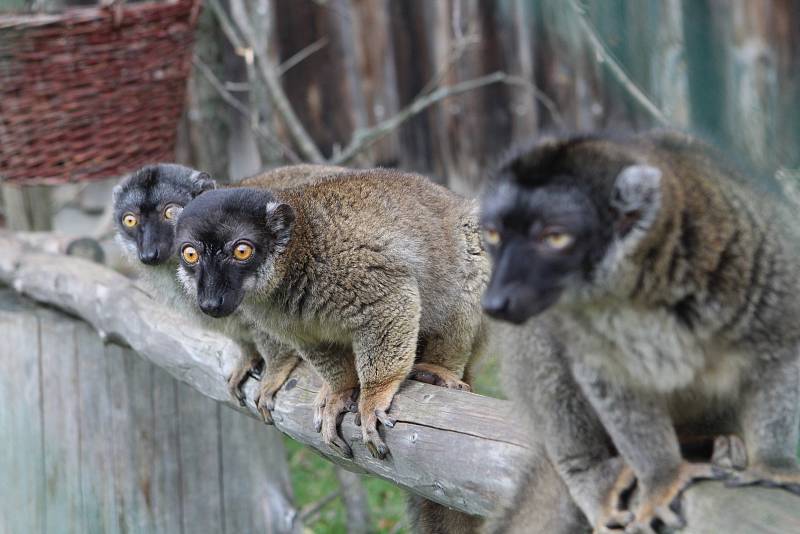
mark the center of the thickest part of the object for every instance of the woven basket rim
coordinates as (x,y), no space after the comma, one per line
(79,15)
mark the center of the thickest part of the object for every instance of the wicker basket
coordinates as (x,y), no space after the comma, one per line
(92,93)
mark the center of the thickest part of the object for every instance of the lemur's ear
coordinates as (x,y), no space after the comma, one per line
(202,182)
(636,197)
(280,220)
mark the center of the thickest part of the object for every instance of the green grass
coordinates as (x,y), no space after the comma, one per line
(313,478)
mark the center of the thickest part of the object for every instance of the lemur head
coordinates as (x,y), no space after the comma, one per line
(146,207)
(228,241)
(559,218)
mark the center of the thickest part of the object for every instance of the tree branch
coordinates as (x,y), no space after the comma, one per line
(605,56)
(457,448)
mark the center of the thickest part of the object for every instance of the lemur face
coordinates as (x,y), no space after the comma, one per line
(147,205)
(539,240)
(228,240)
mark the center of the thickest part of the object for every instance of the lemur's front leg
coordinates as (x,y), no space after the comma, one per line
(642,430)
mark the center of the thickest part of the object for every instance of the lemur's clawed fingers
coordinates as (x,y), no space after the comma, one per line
(372,440)
(657,505)
(767,477)
(729,452)
(614,517)
(265,403)
(438,376)
(246,368)
(329,410)
(319,407)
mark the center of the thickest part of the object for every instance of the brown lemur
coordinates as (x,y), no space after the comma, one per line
(362,273)
(146,208)
(669,291)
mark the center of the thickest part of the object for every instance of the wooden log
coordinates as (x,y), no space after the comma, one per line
(459,449)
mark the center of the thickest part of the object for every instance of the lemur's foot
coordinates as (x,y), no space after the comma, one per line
(270,384)
(729,452)
(437,375)
(787,478)
(371,410)
(614,516)
(329,410)
(251,365)
(656,505)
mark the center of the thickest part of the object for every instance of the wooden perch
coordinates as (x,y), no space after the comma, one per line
(459,449)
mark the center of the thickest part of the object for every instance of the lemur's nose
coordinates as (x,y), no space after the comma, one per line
(496,304)
(212,306)
(149,257)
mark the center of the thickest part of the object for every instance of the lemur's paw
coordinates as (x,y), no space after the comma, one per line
(438,376)
(729,452)
(787,478)
(658,505)
(614,517)
(329,410)
(251,365)
(371,411)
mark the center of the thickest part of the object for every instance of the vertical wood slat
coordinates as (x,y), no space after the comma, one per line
(61,424)
(22,486)
(95,439)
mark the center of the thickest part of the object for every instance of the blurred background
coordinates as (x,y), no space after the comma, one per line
(91,90)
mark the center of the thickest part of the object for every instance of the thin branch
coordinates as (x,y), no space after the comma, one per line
(541,96)
(236,104)
(605,56)
(302,55)
(310,512)
(363,139)
(269,73)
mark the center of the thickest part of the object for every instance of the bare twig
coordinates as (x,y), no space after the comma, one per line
(302,55)
(362,139)
(606,57)
(310,512)
(247,43)
(539,95)
(234,102)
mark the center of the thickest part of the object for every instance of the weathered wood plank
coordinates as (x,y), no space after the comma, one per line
(61,423)
(96,451)
(165,486)
(457,448)
(200,457)
(22,490)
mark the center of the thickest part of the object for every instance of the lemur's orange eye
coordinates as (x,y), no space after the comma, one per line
(558,240)
(172,211)
(242,251)
(190,255)
(130,220)
(491,236)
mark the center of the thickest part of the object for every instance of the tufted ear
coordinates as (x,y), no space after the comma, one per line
(636,196)
(280,220)
(201,182)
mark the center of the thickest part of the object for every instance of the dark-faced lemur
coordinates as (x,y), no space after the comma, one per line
(669,291)
(146,208)
(363,274)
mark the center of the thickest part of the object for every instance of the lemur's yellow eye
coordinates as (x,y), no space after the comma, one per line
(130,220)
(242,251)
(491,236)
(558,240)
(171,211)
(190,255)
